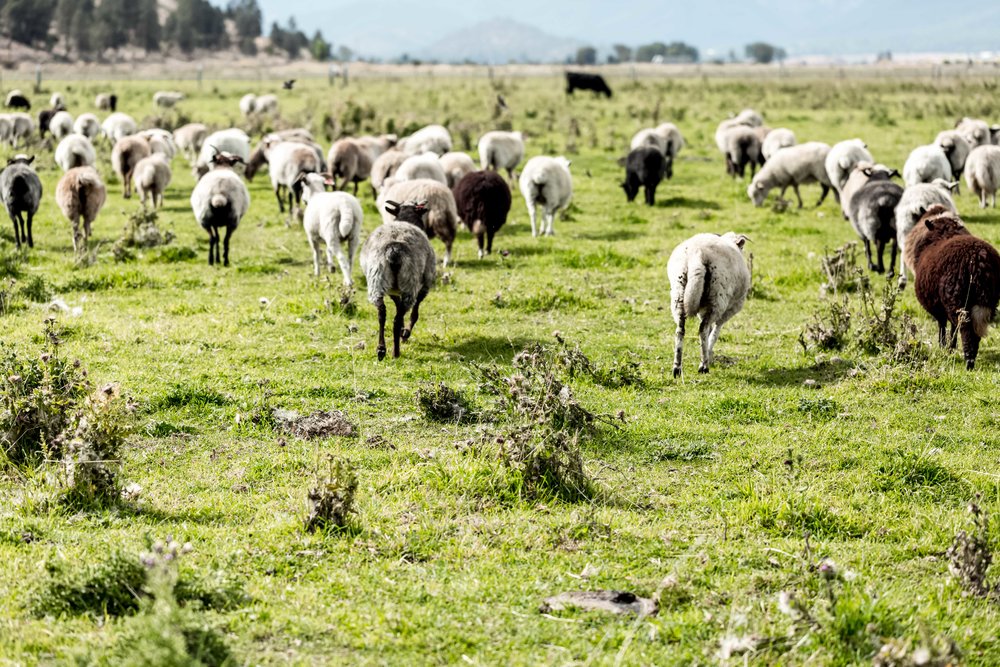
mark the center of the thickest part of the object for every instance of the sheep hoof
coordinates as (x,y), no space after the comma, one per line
(970,365)
(677,372)
(890,274)
(405,335)
(703,369)
(381,353)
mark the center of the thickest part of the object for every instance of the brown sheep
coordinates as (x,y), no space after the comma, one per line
(957,280)
(126,154)
(483,200)
(81,194)
(350,162)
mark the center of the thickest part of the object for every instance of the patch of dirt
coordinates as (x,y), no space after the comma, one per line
(321,424)
(617,602)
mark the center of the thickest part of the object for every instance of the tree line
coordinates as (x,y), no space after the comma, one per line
(86,29)
(674,52)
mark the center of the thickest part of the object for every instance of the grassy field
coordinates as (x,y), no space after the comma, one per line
(722,494)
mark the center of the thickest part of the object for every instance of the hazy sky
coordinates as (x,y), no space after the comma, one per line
(387,28)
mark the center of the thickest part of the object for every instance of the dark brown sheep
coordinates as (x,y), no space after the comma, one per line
(483,200)
(958,280)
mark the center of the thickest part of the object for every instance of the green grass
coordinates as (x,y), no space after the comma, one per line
(714,480)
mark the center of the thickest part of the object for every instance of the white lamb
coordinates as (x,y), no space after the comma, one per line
(456,165)
(915,201)
(925,164)
(792,167)
(88,125)
(118,125)
(433,138)
(167,99)
(976,132)
(709,278)
(546,182)
(333,219)
(61,125)
(501,150)
(841,159)
(775,140)
(426,165)
(982,173)
(75,151)
(248,104)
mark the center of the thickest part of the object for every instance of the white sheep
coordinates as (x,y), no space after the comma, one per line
(287,160)
(105,101)
(912,205)
(233,141)
(750,118)
(220,199)
(546,182)
(75,151)
(841,159)
(926,163)
(151,177)
(775,140)
(709,278)
(501,150)
(88,125)
(160,141)
(432,138)
(647,137)
(167,99)
(982,173)
(118,125)
(976,132)
(425,165)
(792,167)
(189,138)
(56,101)
(332,219)
(266,104)
(61,125)
(672,138)
(248,104)
(22,127)
(956,149)
(456,166)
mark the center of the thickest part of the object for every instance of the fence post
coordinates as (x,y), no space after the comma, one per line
(38,78)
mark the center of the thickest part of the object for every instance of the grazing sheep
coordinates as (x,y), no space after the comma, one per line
(957,280)
(645,166)
(233,141)
(982,173)
(546,181)
(56,101)
(348,161)
(398,261)
(167,99)
(426,165)
(80,195)
(722,129)
(288,160)
(841,159)
(190,138)
(859,176)
(456,166)
(501,150)
(750,118)
(761,131)
(956,149)
(22,126)
(75,151)
(442,213)
(21,192)
(585,81)
(385,166)
(88,125)
(266,104)
(106,102)
(926,163)
(261,155)
(873,216)
(333,219)
(648,137)
(915,202)
(160,141)
(672,138)
(118,126)
(151,177)
(775,140)
(248,104)
(17,100)
(742,149)
(975,132)
(432,138)
(220,199)
(125,156)
(483,201)
(793,166)
(709,278)
(377,145)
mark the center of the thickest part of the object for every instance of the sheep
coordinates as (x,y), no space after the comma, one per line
(151,177)
(220,199)
(426,165)
(160,141)
(722,129)
(21,192)
(398,261)
(45,117)
(648,137)
(775,140)
(456,166)
(793,166)
(17,100)
(433,139)
(167,99)
(80,195)
(442,216)
(124,156)
(118,126)
(75,151)
(483,201)
(248,104)
(22,126)
(266,104)
(975,132)
(88,125)
(501,150)
(915,202)
(546,181)
(982,173)
(233,141)
(260,155)
(672,138)
(385,166)
(289,159)
(331,218)
(956,149)
(709,278)
(841,159)
(873,216)
(926,163)
(6,127)
(106,102)
(860,175)
(61,125)
(957,281)
(377,145)
(645,166)
(750,118)
(56,101)
(350,161)
(190,138)
(742,149)
(914,238)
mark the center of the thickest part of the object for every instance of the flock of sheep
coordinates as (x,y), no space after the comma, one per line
(424,190)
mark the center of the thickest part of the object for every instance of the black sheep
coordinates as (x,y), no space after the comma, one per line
(483,201)
(584,81)
(645,166)
(15,100)
(21,191)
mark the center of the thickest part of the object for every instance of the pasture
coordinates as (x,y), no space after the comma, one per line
(721,494)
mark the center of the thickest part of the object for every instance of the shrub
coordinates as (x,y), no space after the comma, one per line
(140,231)
(332,497)
(441,403)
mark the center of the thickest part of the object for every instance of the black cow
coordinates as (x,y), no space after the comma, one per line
(584,81)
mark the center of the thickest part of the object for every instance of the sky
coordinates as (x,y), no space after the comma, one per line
(385,29)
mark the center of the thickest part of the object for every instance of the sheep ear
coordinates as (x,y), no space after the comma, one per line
(929,224)
(953,186)
(894,173)
(392,208)
(30,160)
(741,240)
(921,212)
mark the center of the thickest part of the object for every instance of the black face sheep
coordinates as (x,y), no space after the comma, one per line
(441,219)
(483,200)
(80,195)
(710,278)
(873,216)
(398,262)
(957,281)
(645,167)
(584,81)
(21,191)
(220,199)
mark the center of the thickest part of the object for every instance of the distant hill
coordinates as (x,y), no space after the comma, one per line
(500,41)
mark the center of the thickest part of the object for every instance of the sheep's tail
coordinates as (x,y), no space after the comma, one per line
(478,226)
(981,316)
(694,288)
(218,200)
(394,258)
(346,225)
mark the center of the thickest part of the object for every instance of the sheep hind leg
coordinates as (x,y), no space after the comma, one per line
(679,344)
(380,306)
(970,343)
(414,314)
(397,327)
(942,333)
(798,195)
(823,194)
(280,198)
(344,260)
(892,261)
(705,334)
(31,240)
(880,249)
(17,230)
(225,251)
(868,254)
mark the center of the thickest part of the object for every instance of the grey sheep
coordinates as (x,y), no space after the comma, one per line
(21,191)
(501,150)
(982,173)
(926,163)
(349,161)
(859,176)
(873,216)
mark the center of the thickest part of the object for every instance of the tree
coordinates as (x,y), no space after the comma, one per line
(763,53)
(674,51)
(623,54)
(196,24)
(586,55)
(147,29)
(81,27)
(290,40)
(319,48)
(111,28)
(27,21)
(247,17)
